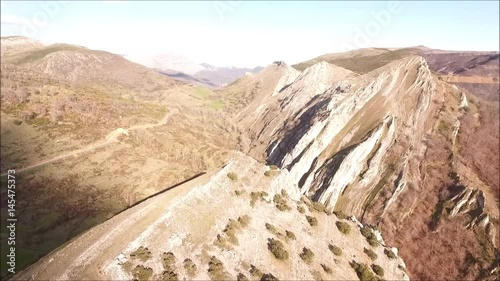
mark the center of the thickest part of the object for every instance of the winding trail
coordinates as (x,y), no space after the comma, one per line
(110,138)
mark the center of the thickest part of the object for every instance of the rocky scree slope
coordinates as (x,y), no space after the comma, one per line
(341,137)
(285,92)
(238,224)
(368,145)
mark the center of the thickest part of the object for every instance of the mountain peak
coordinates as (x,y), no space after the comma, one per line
(279,63)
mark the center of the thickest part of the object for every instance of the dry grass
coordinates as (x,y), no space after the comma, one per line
(190,267)
(231,230)
(216,270)
(326,268)
(168,260)
(269,277)
(271,228)
(257,195)
(370,236)
(290,235)
(255,272)
(363,271)
(281,203)
(277,248)
(479,144)
(335,249)
(141,273)
(142,253)
(307,255)
(378,270)
(343,227)
(312,220)
(169,275)
(301,209)
(390,254)
(233,176)
(371,254)
(244,220)
(242,277)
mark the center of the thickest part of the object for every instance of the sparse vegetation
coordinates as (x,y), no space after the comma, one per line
(268,277)
(169,275)
(233,176)
(244,220)
(241,277)
(371,254)
(255,272)
(142,253)
(307,255)
(141,273)
(284,193)
(259,195)
(378,270)
(363,271)
(326,268)
(238,192)
(271,228)
(488,249)
(343,227)
(190,267)
(340,215)
(301,209)
(230,231)
(306,200)
(390,254)
(281,203)
(443,127)
(220,241)
(312,220)
(271,173)
(335,250)
(168,260)
(216,270)
(290,235)
(277,248)
(370,236)
(318,207)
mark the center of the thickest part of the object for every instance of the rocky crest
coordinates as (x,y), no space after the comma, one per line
(340,139)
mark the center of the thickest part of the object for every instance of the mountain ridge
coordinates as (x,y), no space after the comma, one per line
(376,141)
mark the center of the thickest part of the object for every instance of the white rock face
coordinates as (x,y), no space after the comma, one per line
(349,169)
(315,80)
(342,133)
(289,75)
(292,92)
(463,101)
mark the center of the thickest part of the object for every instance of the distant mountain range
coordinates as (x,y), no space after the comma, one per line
(375,162)
(202,74)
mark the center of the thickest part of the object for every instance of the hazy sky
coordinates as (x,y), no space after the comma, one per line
(254,33)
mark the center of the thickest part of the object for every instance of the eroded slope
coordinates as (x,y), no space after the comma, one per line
(384,146)
(225,226)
